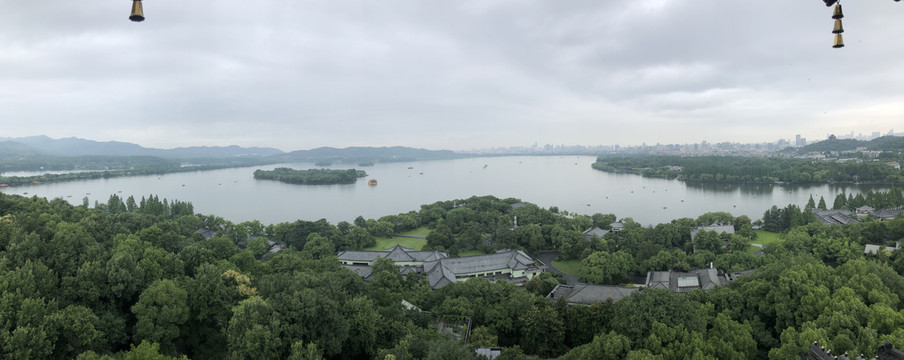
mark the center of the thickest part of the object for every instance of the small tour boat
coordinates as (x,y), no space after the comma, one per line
(372,182)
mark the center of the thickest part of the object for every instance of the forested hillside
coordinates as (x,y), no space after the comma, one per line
(884,143)
(134,279)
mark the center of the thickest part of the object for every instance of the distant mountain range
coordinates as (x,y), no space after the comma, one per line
(81,147)
(70,147)
(368,154)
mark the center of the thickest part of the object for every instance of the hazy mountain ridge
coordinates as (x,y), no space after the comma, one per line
(12,148)
(372,154)
(81,147)
(71,147)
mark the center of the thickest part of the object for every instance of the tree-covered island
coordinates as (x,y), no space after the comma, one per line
(311,176)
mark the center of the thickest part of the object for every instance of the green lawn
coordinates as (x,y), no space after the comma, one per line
(571,267)
(765,238)
(417,244)
(421,231)
(470,253)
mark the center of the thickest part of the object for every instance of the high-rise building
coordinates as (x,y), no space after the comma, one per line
(797,140)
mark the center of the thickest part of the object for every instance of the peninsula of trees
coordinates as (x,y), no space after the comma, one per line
(751,169)
(106,174)
(311,176)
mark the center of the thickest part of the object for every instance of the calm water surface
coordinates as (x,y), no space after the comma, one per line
(564,181)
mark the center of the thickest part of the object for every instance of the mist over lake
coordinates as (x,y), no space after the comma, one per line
(567,182)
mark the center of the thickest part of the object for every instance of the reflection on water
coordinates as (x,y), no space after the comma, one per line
(768,189)
(567,182)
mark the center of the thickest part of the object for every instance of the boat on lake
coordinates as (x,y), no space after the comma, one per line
(372,182)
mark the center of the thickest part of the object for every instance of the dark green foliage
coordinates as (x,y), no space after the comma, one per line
(134,281)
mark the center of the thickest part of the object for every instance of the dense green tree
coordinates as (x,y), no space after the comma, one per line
(482,337)
(543,332)
(634,316)
(159,312)
(359,238)
(26,342)
(604,268)
(319,246)
(300,351)
(253,331)
(709,240)
(840,201)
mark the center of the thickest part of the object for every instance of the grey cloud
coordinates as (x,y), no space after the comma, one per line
(437,74)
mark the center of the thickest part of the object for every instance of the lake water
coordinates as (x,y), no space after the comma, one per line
(564,181)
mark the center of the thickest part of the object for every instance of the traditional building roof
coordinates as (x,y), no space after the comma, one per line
(887,214)
(595,231)
(590,294)
(834,217)
(362,270)
(684,281)
(735,275)
(870,249)
(720,229)
(206,233)
(439,268)
(397,253)
(444,271)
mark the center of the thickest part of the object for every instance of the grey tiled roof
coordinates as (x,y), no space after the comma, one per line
(590,294)
(684,281)
(595,231)
(834,217)
(362,270)
(444,271)
(728,229)
(206,233)
(511,259)
(439,268)
(397,254)
(887,214)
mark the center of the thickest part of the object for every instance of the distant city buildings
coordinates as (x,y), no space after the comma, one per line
(702,148)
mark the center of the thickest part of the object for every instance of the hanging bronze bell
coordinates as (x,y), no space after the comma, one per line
(137,11)
(838,29)
(839,42)
(837,14)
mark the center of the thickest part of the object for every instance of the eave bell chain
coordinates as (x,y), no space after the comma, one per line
(837,14)
(137,12)
(838,29)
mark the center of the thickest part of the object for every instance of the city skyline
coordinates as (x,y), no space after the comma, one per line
(462,75)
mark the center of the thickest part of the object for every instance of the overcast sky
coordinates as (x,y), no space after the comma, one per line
(453,75)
